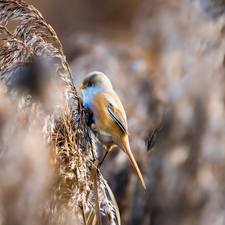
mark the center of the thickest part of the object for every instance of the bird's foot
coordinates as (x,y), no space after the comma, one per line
(99,165)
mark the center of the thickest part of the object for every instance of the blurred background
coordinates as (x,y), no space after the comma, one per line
(165,59)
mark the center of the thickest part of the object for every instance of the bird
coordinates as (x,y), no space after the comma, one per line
(109,117)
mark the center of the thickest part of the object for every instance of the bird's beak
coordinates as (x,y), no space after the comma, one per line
(82,87)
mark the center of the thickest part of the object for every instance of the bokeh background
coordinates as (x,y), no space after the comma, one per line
(165,59)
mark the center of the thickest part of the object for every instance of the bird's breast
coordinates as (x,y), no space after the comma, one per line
(86,101)
(105,138)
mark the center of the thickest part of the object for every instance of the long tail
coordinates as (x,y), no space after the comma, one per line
(126,148)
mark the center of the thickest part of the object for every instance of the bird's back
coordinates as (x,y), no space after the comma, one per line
(102,118)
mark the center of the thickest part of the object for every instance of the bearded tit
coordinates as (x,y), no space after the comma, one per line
(110,122)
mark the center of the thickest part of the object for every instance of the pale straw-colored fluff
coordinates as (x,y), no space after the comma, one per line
(57,121)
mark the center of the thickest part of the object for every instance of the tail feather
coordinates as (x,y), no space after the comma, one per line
(126,148)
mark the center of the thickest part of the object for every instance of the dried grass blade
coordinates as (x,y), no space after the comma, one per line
(152,139)
(87,196)
(93,170)
(114,202)
(83,214)
(97,208)
(94,220)
(89,216)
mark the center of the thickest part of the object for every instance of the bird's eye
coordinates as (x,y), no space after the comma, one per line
(89,84)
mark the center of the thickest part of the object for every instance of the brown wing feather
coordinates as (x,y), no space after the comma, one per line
(117,115)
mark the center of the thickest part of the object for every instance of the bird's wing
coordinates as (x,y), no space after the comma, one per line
(116,113)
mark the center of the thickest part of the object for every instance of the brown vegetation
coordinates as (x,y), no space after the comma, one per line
(166,62)
(48,164)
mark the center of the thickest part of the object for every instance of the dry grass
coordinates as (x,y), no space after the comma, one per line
(48,169)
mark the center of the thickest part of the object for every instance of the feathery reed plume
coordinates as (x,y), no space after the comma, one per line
(70,195)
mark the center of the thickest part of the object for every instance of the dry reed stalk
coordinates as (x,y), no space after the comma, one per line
(65,132)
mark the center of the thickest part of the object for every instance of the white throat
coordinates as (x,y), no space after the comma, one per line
(88,95)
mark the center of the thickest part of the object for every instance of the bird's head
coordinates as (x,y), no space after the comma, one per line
(96,82)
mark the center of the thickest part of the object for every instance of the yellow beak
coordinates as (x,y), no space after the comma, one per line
(82,87)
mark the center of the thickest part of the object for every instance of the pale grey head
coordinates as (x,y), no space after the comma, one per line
(94,83)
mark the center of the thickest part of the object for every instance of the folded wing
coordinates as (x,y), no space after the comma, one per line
(116,114)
